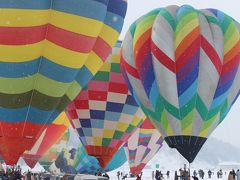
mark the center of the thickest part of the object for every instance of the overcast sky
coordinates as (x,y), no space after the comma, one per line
(229,130)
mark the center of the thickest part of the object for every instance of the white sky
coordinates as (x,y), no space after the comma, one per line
(229,130)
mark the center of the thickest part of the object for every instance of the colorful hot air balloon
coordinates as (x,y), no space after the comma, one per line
(142,146)
(104,113)
(78,161)
(89,164)
(74,159)
(49,50)
(182,65)
(48,138)
(51,155)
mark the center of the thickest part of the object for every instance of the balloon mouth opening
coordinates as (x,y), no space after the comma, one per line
(187,146)
(103,161)
(102,153)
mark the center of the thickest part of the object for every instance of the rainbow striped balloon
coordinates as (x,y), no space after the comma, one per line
(182,65)
(142,146)
(49,50)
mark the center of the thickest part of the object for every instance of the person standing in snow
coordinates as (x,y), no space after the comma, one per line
(156,175)
(209,174)
(238,174)
(234,174)
(139,176)
(230,176)
(168,174)
(195,173)
(203,173)
(118,174)
(176,176)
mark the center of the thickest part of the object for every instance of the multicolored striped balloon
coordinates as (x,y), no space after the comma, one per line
(182,65)
(74,159)
(51,155)
(105,113)
(78,161)
(50,136)
(90,165)
(49,50)
(142,146)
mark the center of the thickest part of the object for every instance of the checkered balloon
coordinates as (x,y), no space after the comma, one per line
(105,114)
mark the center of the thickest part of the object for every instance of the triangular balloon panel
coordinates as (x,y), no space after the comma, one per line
(51,155)
(105,114)
(49,51)
(142,146)
(182,65)
(48,138)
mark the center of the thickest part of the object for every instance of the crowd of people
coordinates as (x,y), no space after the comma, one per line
(123,175)
(15,173)
(11,173)
(184,174)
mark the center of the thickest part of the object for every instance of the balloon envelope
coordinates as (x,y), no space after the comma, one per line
(78,161)
(182,65)
(74,159)
(48,138)
(105,113)
(49,51)
(51,155)
(142,146)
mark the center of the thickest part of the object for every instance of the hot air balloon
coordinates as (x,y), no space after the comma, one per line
(74,159)
(142,146)
(89,164)
(51,155)
(78,161)
(104,113)
(49,50)
(182,65)
(48,138)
